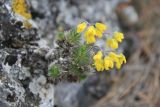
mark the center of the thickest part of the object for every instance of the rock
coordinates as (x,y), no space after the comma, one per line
(66,97)
(84,94)
(45,91)
(12,92)
(3,104)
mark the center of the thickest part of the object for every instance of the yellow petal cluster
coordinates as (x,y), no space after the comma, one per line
(112,43)
(20,7)
(81,27)
(119,59)
(118,36)
(100,28)
(92,31)
(108,62)
(90,35)
(98,61)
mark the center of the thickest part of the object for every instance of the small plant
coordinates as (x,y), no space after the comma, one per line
(54,71)
(77,48)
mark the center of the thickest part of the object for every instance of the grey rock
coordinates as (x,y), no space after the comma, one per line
(83,94)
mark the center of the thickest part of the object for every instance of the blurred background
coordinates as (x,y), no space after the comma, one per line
(138,84)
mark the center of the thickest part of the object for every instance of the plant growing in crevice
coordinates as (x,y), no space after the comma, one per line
(54,71)
(77,49)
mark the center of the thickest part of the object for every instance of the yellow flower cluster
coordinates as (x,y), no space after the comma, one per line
(20,7)
(113,42)
(108,61)
(112,59)
(92,31)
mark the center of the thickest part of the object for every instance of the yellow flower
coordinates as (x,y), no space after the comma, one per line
(20,7)
(118,59)
(81,27)
(98,55)
(98,33)
(118,36)
(122,58)
(115,58)
(90,35)
(101,27)
(112,43)
(98,61)
(108,63)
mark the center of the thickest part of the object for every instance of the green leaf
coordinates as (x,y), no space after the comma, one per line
(81,56)
(73,37)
